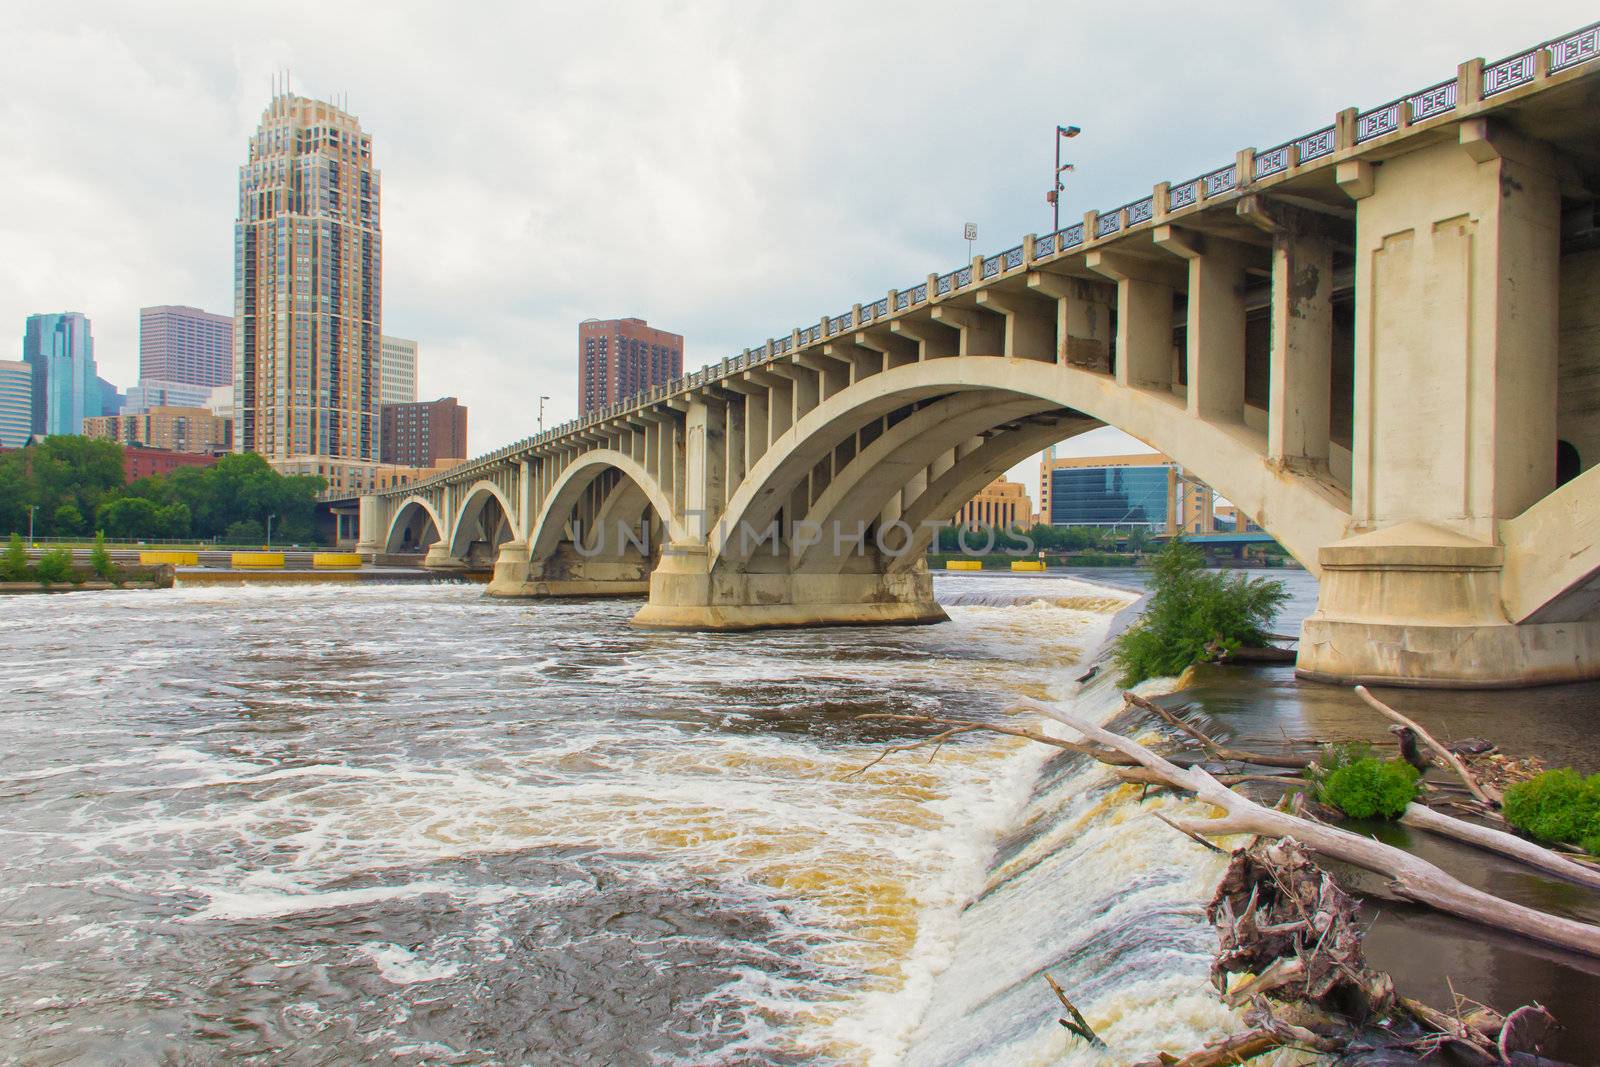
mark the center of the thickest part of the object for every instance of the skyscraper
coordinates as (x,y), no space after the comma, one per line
(421,435)
(620,358)
(66,389)
(185,345)
(399,375)
(308,287)
(16,403)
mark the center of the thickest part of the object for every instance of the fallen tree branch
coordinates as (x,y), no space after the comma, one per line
(1501,843)
(1077,1024)
(1210,744)
(1411,877)
(1486,794)
(1096,752)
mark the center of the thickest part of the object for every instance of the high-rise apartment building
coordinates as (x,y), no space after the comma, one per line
(185,345)
(620,358)
(422,435)
(16,403)
(308,285)
(172,429)
(398,377)
(66,389)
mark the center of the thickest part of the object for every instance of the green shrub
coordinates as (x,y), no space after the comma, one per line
(1190,607)
(1371,787)
(14,563)
(244,532)
(100,559)
(54,566)
(1559,806)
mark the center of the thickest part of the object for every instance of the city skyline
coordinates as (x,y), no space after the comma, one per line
(758,215)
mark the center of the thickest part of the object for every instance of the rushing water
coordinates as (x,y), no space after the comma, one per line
(321,824)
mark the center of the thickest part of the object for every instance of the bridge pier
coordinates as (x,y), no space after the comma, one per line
(566,574)
(685,594)
(1423,606)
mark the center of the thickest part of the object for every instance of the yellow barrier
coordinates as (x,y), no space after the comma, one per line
(340,560)
(1027,564)
(258,559)
(963,565)
(177,559)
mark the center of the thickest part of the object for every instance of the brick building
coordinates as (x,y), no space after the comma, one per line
(424,433)
(620,358)
(175,429)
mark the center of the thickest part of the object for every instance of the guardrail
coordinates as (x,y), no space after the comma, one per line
(1555,55)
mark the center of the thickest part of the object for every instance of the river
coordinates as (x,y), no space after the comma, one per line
(322,824)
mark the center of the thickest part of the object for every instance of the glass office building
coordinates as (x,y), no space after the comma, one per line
(1112,496)
(60,352)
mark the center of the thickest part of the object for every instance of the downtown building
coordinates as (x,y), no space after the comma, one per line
(16,403)
(621,358)
(185,354)
(308,285)
(1002,503)
(397,376)
(65,389)
(425,434)
(173,429)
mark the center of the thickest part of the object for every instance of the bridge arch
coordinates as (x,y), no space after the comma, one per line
(1302,513)
(484,510)
(413,519)
(549,528)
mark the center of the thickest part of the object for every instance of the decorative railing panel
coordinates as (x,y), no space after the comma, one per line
(839,323)
(991,266)
(1319,144)
(946,282)
(1184,194)
(1272,161)
(902,300)
(1044,246)
(1378,121)
(963,277)
(1585,44)
(1510,73)
(1013,257)
(920,293)
(1072,236)
(1107,224)
(1141,210)
(1432,101)
(1220,181)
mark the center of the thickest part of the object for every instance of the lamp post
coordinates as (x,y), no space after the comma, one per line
(1056,186)
(31,509)
(270,517)
(542,399)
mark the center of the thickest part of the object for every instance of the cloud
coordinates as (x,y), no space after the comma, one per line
(726,170)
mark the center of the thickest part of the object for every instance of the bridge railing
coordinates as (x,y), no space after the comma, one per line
(1514,71)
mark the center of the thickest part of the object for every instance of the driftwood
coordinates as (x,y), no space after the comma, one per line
(1485,794)
(1498,841)
(1077,1024)
(1411,877)
(1221,752)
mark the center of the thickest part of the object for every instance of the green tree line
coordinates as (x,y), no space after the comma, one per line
(77,486)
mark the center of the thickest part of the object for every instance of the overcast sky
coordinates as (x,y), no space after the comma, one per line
(726,170)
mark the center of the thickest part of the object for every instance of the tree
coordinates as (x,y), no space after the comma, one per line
(248,532)
(1193,610)
(100,559)
(67,520)
(14,564)
(54,566)
(128,518)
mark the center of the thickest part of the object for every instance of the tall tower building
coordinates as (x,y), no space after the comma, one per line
(185,344)
(66,389)
(308,285)
(620,358)
(16,403)
(399,376)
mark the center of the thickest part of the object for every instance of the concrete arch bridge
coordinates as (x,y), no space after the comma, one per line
(1380,340)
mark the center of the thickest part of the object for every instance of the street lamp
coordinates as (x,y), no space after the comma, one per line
(31,509)
(542,399)
(270,517)
(1056,187)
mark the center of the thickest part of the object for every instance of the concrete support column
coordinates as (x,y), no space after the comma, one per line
(1215,327)
(705,458)
(371,516)
(1144,318)
(1083,319)
(1030,324)
(1457,255)
(979,333)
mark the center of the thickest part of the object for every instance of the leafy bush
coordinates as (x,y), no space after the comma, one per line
(1367,787)
(14,564)
(100,559)
(1558,806)
(54,566)
(1189,608)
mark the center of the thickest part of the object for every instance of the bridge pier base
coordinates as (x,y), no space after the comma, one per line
(685,595)
(440,559)
(1420,606)
(566,574)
